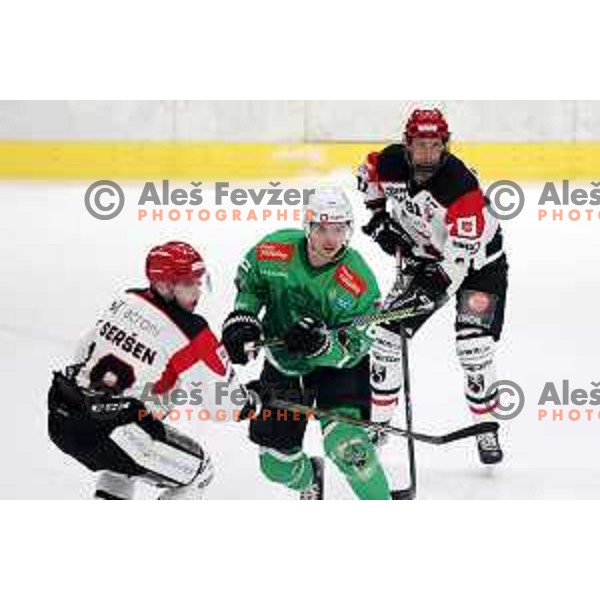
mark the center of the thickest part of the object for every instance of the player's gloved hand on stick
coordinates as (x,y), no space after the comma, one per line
(240,330)
(432,280)
(387,233)
(308,337)
(427,288)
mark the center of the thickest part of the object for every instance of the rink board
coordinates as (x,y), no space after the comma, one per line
(267,161)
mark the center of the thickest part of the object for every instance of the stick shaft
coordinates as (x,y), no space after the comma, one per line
(321,413)
(398,314)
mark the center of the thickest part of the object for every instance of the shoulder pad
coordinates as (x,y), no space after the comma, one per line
(392,164)
(453,180)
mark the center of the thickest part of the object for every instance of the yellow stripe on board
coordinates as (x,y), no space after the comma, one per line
(263,161)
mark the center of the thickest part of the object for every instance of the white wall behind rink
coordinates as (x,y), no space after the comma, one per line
(293,121)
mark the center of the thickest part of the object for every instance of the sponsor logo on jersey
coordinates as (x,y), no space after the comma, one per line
(398,191)
(116,306)
(467,227)
(270,273)
(350,281)
(140,322)
(345,303)
(274,251)
(469,247)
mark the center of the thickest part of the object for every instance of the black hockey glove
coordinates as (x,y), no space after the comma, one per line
(240,328)
(308,337)
(386,232)
(426,289)
(426,292)
(433,281)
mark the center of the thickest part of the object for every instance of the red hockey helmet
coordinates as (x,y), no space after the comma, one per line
(427,123)
(174,261)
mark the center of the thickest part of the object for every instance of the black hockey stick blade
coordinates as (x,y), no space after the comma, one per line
(466,432)
(436,440)
(406,494)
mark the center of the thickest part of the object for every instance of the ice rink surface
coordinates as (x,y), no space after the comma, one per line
(59,267)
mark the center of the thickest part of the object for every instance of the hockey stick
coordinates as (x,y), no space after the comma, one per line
(397,314)
(436,440)
(410,492)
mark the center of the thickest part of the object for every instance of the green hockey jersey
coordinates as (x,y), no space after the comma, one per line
(275,279)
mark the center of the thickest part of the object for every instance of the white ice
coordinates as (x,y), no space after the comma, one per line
(59,266)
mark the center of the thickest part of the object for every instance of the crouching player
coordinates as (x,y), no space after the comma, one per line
(149,335)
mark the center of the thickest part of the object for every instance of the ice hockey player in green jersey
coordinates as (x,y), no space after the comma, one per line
(297,286)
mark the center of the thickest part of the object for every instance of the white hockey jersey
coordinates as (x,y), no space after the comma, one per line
(445,217)
(150,349)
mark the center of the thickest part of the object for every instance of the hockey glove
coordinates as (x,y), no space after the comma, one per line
(240,328)
(308,337)
(427,287)
(388,234)
(424,295)
(433,281)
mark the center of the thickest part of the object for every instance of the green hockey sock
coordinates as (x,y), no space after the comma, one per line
(350,448)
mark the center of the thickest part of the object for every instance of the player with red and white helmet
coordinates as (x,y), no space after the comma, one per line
(427,207)
(177,271)
(147,343)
